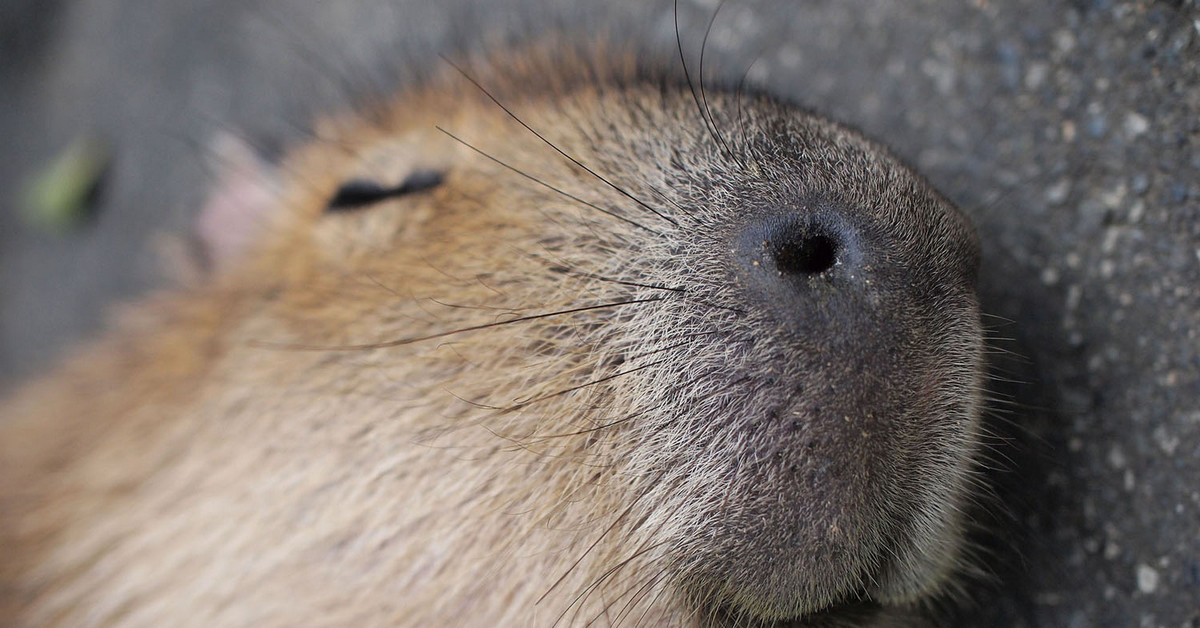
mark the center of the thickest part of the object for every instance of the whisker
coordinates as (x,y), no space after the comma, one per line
(407,341)
(382,286)
(688,76)
(525,404)
(557,149)
(614,570)
(638,591)
(557,264)
(621,282)
(1002,319)
(625,419)
(612,526)
(610,424)
(483,308)
(703,95)
(715,306)
(520,405)
(738,99)
(583,595)
(551,187)
(658,577)
(652,483)
(639,594)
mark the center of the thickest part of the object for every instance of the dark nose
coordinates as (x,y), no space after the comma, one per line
(812,270)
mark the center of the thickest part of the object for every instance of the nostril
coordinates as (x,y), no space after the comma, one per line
(784,258)
(805,254)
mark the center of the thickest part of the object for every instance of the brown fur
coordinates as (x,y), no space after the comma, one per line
(305,441)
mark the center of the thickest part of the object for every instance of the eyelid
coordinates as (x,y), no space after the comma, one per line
(359,193)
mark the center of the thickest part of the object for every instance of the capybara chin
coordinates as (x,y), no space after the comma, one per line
(555,341)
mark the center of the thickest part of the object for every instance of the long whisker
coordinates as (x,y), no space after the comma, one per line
(408,341)
(555,263)
(520,405)
(614,423)
(703,95)
(688,76)
(625,419)
(639,593)
(559,150)
(636,589)
(558,393)
(587,591)
(551,187)
(612,526)
(741,86)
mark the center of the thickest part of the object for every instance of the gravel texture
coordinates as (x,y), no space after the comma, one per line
(1070,131)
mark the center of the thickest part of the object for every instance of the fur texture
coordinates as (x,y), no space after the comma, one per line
(533,395)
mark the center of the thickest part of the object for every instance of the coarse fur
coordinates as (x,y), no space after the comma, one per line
(577,383)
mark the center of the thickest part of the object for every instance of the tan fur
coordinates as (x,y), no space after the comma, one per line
(270,450)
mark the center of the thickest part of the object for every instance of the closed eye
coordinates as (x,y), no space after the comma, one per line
(359,193)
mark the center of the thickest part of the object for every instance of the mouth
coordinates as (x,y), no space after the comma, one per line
(823,510)
(854,612)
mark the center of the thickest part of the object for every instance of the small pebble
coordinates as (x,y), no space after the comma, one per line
(1057,193)
(1136,124)
(1147,579)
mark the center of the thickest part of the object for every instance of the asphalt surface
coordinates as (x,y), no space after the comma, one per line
(1069,131)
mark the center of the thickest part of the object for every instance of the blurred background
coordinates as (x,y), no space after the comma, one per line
(1068,129)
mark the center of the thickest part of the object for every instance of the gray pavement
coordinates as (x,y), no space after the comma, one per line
(1069,130)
